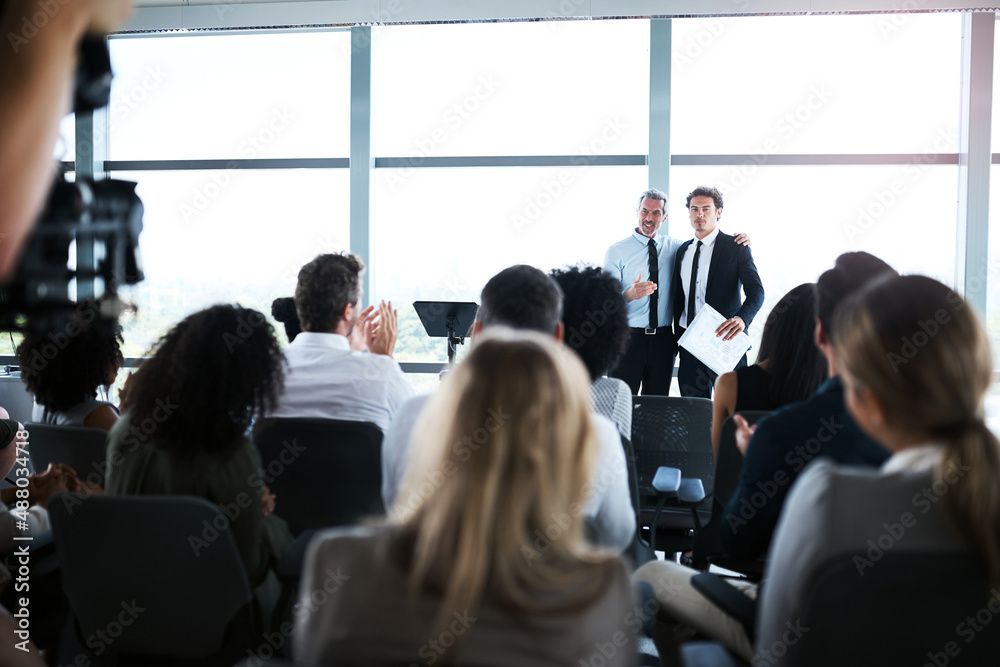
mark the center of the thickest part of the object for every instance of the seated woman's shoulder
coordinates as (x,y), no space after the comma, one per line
(357,543)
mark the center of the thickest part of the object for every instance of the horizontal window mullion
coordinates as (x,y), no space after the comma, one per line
(777,160)
(276,163)
(510,161)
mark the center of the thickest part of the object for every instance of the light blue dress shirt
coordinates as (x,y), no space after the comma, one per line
(628,259)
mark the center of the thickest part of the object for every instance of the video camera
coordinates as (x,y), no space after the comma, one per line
(105,214)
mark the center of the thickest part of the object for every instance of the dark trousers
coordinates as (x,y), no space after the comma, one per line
(649,361)
(695,378)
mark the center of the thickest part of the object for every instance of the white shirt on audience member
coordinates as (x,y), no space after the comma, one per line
(608,510)
(326,379)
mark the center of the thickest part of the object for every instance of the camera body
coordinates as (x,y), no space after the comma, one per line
(104,214)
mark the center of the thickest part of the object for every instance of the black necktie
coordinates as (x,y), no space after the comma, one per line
(694,283)
(654,277)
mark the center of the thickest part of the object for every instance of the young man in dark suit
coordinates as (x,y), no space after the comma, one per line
(710,269)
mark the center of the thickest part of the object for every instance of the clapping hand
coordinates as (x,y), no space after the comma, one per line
(382,331)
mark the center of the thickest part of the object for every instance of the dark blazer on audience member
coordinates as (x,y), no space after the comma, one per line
(732,266)
(783,444)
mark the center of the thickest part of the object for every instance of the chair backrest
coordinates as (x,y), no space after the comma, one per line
(324,472)
(907,609)
(639,551)
(153,576)
(676,432)
(81,448)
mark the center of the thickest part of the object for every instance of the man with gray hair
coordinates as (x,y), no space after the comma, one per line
(644,264)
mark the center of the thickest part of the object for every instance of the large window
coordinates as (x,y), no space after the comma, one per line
(816,84)
(569,88)
(231,96)
(800,219)
(506,96)
(543,88)
(223,233)
(444,232)
(218,236)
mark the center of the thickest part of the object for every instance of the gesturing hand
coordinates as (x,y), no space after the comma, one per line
(744,431)
(640,289)
(267,501)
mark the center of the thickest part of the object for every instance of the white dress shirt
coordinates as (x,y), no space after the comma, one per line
(607,506)
(704,261)
(326,379)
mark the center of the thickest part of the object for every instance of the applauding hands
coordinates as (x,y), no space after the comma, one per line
(376,332)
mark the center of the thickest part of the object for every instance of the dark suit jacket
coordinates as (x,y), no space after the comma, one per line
(732,266)
(782,445)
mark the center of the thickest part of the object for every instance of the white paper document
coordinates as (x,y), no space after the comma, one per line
(718,354)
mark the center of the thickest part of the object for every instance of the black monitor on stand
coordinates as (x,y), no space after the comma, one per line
(447,319)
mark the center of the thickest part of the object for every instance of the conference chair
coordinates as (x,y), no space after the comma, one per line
(639,551)
(674,432)
(909,608)
(82,449)
(324,472)
(151,581)
(708,548)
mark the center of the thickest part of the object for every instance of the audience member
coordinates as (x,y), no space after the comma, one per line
(283,310)
(40,488)
(596,328)
(789,368)
(63,370)
(927,409)
(783,444)
(329,375)
(522,297)
(494,558)
(36,82)
(209,377)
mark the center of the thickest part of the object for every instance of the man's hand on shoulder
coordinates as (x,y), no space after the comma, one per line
(383,331)
(742,239)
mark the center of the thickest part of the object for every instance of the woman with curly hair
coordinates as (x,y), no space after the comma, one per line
(184,430)
(595,326)
(64,369)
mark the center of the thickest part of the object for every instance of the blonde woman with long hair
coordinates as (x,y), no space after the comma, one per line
(491,567)
(916,366)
